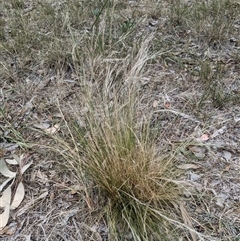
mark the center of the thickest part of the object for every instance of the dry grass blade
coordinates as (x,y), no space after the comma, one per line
(187,221)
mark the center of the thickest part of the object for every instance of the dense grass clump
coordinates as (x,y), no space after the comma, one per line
(134,180)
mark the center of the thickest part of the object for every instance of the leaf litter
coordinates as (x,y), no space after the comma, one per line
(6,201)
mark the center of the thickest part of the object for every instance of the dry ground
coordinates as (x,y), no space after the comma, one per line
(188,87)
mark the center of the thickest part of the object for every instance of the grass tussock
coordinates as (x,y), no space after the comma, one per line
(132,177)
(116,153)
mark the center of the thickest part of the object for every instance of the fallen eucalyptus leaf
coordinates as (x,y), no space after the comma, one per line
(188,166)
(42,126)
(11,161)
(5,199)
(5,171)
(5,183)
(5,203)
(18,159)
(18,197)
(25,167)
(4,217)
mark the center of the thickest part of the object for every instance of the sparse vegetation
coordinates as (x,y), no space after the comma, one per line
(128,112)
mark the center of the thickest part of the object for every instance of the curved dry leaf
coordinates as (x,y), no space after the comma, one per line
(5,203)
(25,167)
(188,166)
(21,158)
(42,126)
(18,197)
(43,195)
(5,171)
(5,199)
(11,161)
(5,183)
(18,159)
(4,217)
